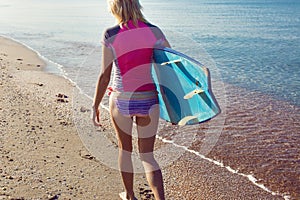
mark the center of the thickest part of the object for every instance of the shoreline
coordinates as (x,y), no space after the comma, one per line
(44,157)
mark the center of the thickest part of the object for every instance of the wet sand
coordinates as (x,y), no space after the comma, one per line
(261,137)
(43,157)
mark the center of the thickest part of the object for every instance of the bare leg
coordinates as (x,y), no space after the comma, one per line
(123,128)
(147,128)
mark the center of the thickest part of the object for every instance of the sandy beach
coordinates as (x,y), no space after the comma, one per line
(43,157)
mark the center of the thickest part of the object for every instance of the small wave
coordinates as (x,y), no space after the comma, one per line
(51,66)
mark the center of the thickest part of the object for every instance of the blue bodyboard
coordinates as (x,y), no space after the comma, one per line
(184,87)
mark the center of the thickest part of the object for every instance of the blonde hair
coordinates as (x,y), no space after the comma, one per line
(125,10)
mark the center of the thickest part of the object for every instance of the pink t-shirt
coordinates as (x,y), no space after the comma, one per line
(133,48)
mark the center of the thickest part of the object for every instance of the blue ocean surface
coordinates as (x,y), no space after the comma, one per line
(254,44)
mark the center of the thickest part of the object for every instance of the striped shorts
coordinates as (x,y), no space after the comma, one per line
(135,103)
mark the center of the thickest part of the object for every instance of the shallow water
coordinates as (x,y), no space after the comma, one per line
(254,44)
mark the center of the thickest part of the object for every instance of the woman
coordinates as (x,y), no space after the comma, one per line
(129,45)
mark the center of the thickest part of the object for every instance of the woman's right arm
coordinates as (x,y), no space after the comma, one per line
(103,81)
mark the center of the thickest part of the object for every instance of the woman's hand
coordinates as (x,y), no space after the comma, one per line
(96,116)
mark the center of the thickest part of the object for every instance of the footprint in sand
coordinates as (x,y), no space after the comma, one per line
(62,98)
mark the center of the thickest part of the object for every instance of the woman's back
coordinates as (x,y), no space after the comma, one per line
(132,47)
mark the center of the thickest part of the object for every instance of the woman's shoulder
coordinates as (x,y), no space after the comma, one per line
(151,25)
(111,31)
(156,30)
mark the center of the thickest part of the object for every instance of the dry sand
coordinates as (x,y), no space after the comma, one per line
(42,156)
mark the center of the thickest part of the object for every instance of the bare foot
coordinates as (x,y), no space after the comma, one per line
(124,197)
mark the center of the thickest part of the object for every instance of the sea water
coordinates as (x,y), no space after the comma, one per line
(254,44)
(248,44)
